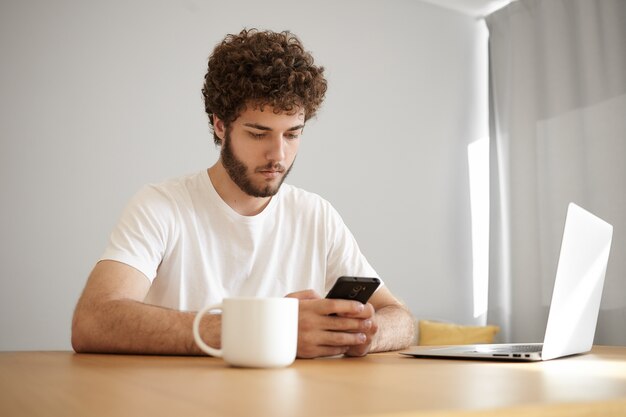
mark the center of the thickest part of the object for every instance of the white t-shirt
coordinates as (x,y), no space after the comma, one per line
(196,250)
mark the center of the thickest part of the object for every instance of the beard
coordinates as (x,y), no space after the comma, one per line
(238,172)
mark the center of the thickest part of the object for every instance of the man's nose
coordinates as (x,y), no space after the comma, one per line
(276,150)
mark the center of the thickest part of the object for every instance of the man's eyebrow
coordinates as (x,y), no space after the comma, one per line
(261,127)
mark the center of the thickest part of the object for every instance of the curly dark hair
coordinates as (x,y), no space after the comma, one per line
(261,68)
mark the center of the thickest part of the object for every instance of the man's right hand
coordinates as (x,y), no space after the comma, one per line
(331,327)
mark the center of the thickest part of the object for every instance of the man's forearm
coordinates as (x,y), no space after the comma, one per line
(396,329)
(127,326)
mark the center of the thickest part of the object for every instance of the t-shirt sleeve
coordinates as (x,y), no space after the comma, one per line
(140,237)
(344,255)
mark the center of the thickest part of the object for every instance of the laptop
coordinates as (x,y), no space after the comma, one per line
(575,300)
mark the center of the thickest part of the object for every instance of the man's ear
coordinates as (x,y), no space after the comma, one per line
(219,128)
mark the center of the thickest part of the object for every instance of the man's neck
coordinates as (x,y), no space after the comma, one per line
(232,195)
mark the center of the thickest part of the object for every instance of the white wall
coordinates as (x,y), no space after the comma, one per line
(98,98)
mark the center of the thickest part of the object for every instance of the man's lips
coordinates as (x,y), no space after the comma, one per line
(271,173)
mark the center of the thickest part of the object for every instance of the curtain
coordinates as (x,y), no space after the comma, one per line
(557,134)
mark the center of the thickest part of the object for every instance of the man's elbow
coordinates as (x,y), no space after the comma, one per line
(82,339)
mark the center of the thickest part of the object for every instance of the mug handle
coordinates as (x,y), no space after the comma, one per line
(196,332)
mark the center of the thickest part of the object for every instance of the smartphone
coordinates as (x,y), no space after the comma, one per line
(354,288)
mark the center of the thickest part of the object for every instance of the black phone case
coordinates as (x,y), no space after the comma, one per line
(354,288)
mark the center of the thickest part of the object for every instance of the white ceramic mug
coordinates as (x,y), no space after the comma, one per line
(256,332)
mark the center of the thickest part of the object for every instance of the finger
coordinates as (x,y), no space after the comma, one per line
(342,338)
(358,351)
(367,312)
(364,349)
(304,295)
(309,340)
(339,323)
(339,307)
(320,351)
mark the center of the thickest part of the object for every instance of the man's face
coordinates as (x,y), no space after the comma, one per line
(259,148)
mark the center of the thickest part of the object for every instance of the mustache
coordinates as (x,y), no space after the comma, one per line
(271,167)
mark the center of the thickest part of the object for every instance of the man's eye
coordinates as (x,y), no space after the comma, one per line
(292,135)
(257,135)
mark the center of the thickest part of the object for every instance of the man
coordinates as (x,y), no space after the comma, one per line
(235,229)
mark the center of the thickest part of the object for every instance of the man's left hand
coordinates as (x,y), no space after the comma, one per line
(368,314)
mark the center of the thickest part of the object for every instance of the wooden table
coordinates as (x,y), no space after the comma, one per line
(68,384)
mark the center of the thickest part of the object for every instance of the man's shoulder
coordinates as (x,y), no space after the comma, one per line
(292,192)
(301,199)
(173,191)
(182,184)
(186,181)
